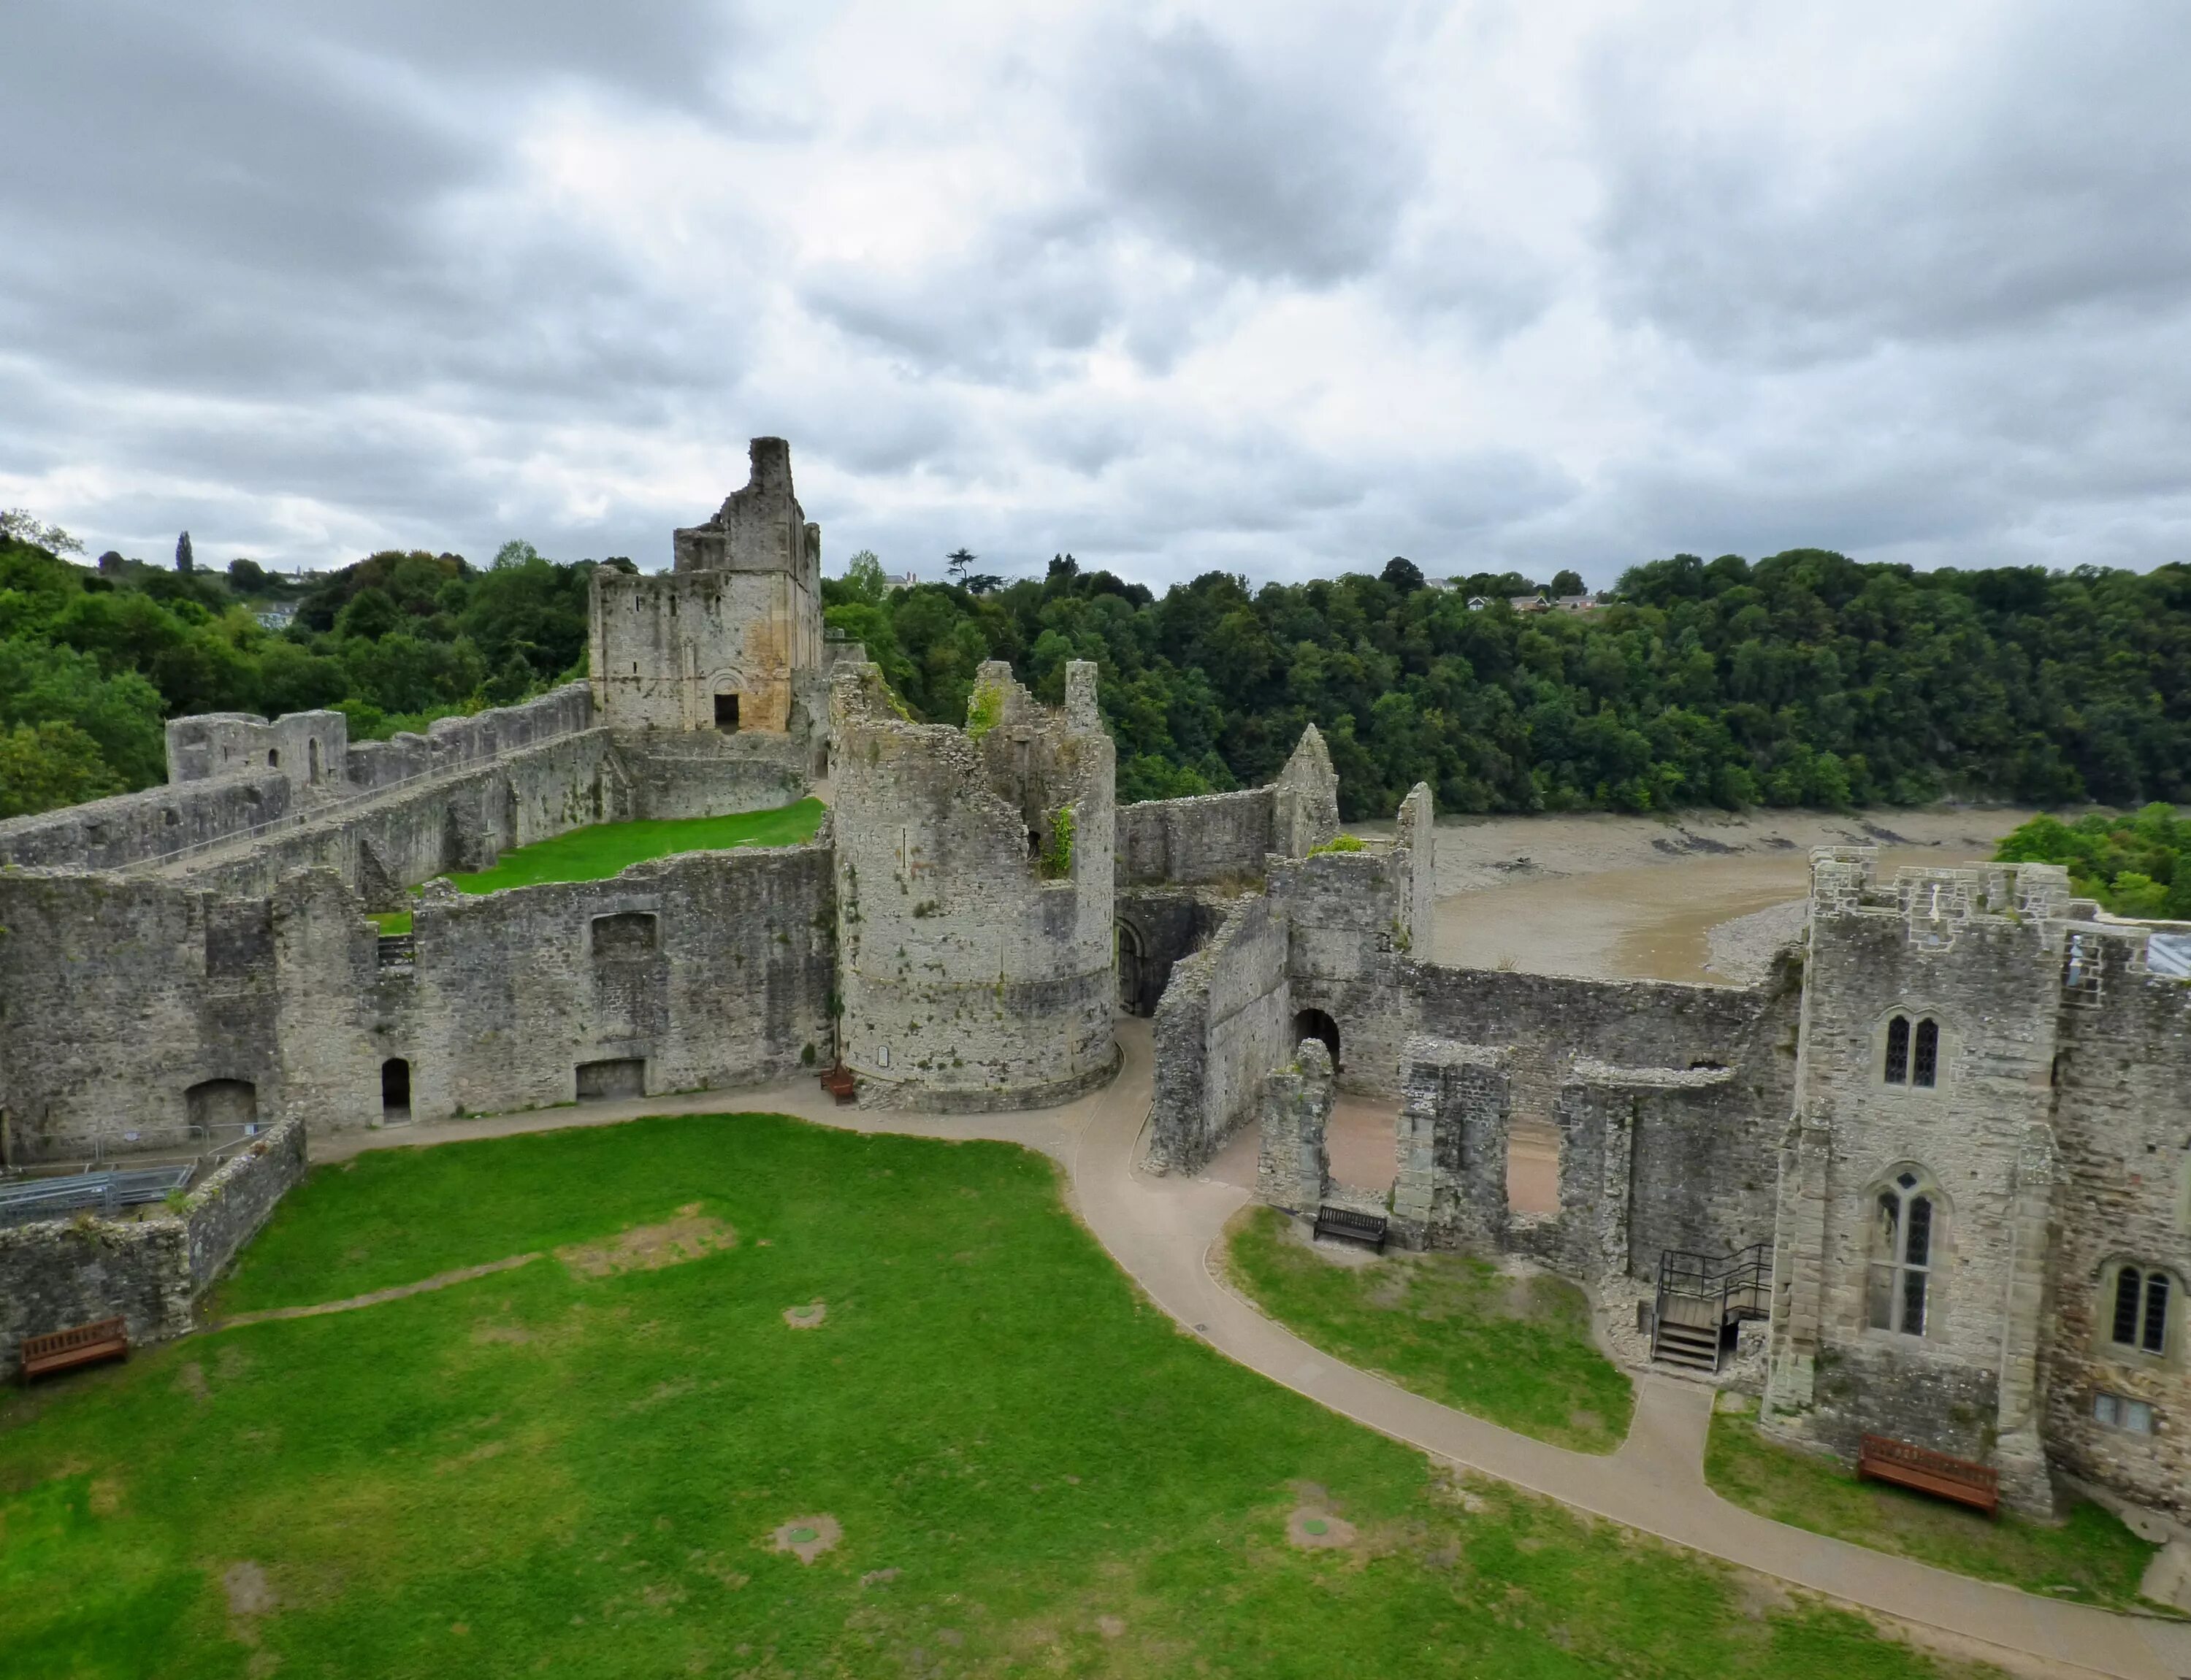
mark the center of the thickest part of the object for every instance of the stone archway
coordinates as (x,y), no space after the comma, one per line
(1133,968)
(1315,1023)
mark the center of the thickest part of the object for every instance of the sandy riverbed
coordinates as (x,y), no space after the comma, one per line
(1637,898)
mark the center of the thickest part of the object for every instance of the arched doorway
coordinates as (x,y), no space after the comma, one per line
(395,1089)
(1315,1023)
(1133,958)
(219,1104)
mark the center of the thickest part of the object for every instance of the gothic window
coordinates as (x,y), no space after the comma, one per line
(2140,1316)
(1904,1240)
(1912,1052)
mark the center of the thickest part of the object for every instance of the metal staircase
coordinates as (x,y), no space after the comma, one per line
(1700,1296)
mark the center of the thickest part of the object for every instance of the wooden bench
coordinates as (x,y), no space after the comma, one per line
(839,1083)
(1366,1228)
(82,1344)
(1878,1459)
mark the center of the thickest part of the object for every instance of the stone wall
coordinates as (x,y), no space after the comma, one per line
(706,774)
(1352,918)
(1159,926)
(148,1272)
(123,997)
(2123,1193)
(713,969)
(1978,951)
(1225,1023)
(716,643)
(1212,838)
(1293,1164)
(221,790)
(975,895)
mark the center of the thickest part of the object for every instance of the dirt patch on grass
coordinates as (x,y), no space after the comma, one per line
(485,1334)
(249,1593)
(807,1538)
(808,1317)
(690,1234)
(1313,1528)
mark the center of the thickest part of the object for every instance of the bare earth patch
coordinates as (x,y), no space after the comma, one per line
(690,1235)
(249,1593)
(1315,1530)
(807,1538)
(806,1317)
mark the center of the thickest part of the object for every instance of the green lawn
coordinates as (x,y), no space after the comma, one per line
(2091,1558)
(1517,1351)
(547,1471)
(606,848)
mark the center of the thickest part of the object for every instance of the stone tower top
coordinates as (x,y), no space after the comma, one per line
(761,528)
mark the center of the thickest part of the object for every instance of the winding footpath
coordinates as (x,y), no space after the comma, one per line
(1164,1232)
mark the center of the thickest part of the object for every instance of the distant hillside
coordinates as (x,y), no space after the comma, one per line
(1805,678)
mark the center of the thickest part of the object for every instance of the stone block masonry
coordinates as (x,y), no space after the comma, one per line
(1225,1023)
(147,1272)
(1294,1165)
(974,894)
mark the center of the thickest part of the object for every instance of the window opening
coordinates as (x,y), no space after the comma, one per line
(726,713)
(313,751)
(1924,1060)
(1901,1270)
(274,760)
(2118,1411)
(1898,1050)
(2141,1314)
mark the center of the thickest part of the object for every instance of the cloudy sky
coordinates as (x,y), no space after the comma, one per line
(1273,289)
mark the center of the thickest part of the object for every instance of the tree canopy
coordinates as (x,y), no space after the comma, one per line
(1802,679)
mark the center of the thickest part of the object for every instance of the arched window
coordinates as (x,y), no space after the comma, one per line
(1912,1052)
(2141,1309)
(1904,1241)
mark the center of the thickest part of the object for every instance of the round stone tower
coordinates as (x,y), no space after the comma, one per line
(974,890)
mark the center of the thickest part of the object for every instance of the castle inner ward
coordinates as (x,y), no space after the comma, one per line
(1934,1172)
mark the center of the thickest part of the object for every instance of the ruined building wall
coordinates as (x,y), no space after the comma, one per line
(2122,1132)
(1157,927)
(975,894)
(1352,918)
(57,1274)
(737,619)
(221,789)
(1225,1021)
(1293,1162)
(1667,1101)
(707,969)
(1223,839)
(1973,950)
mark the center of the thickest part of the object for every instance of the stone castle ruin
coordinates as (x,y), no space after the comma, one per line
(1939,1161)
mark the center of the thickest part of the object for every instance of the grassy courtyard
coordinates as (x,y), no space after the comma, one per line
(2090,1559)
(1515,1350)
(775,1400)
(608,849)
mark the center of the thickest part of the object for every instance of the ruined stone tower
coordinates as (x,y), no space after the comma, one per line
(974,883)
(721,641)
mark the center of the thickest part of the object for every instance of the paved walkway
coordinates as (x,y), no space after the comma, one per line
(1163,1231)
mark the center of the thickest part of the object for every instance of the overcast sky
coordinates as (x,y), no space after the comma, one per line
(1272,289)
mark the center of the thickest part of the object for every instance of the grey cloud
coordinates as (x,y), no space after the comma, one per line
(1298,174)
(2050,181)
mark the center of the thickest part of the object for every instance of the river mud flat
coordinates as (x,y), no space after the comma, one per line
(1705,896)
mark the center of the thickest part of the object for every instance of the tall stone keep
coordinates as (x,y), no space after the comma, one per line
(974,883)
(721,641)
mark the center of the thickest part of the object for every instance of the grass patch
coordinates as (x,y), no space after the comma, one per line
(2090,1559)
(391,922)
(1515,1350)
(1029,1468)
(607,849)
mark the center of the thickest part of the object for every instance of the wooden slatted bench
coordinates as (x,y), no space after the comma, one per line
(1880,1459)
(1366,1228)
(79,1345)
(839,1083)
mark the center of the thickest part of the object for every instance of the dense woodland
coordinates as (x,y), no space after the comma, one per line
(1804,679)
